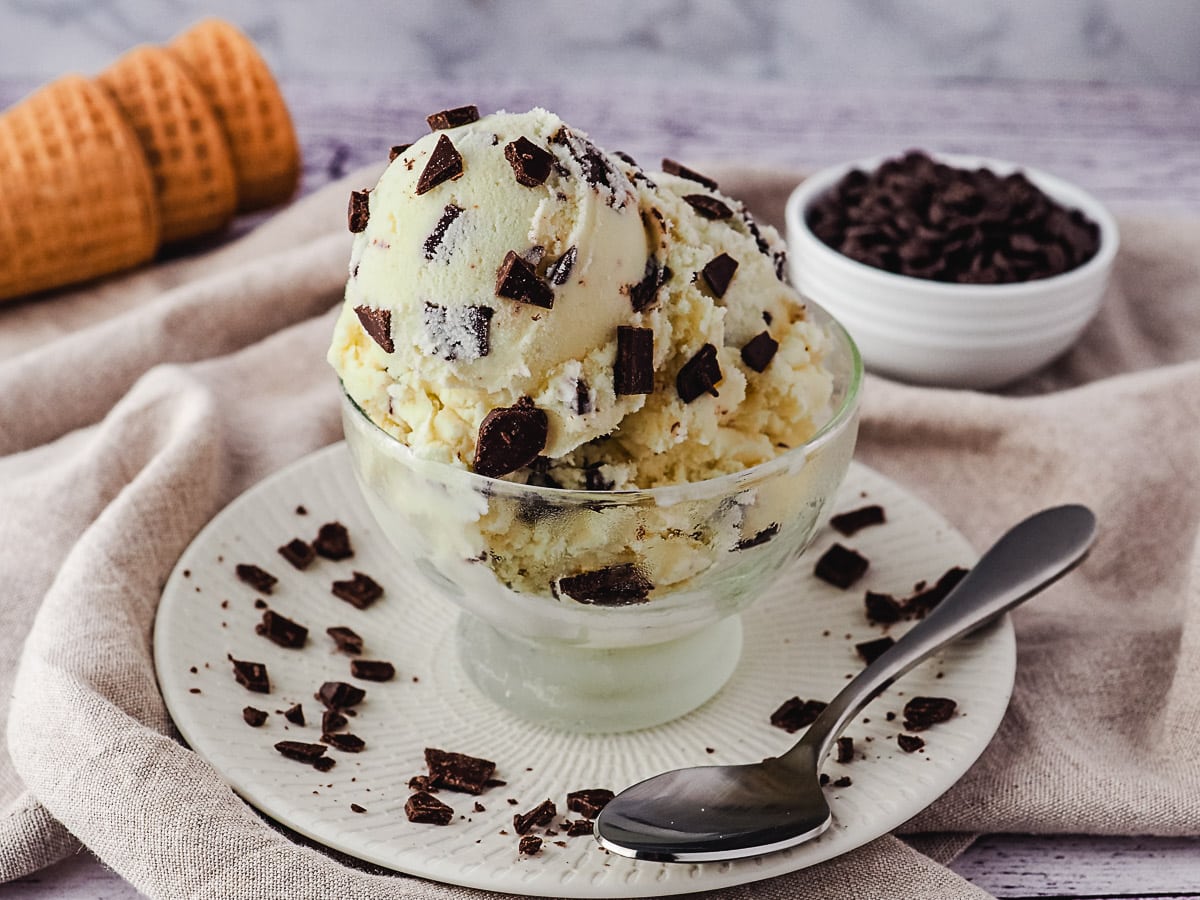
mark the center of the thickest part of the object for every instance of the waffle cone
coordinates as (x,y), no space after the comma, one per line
(184,142)
(238,84)
(76,194)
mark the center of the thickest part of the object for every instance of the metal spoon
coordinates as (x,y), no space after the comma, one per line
(711,813)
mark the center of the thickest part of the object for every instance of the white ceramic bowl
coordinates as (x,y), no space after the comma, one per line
(952,335)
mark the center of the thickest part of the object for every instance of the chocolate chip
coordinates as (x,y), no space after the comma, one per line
(673,168)
(583,397)
(883,608)
(845,749)
(324,763)
(923,712)
(758,352)
(617,585)
(529,845)
(458,332)
(872,650)
(560,270)
(254,717)
(424,808)
(593,163)
(645,291)
(760,537)
(449,213)
(539,815)
(843,782)
(347,743)
(857,519)
(841,566)
(922,602)
(340,695)
(530,163)
(298,553)
(331,721)
(360,591)
(251,675)
(718,272)
(579,827)
(699,375)
(518,280)
(259,579)
(372,669)
(794,714)
(708,207)
(347,641)
(397,150)
(458,771)
(358,212)
(910,743)
(354,807)
(510,437)
(589,801)
(300,751)
(453,118)
(281,630)
(378,324)
(633,372)
(445,164)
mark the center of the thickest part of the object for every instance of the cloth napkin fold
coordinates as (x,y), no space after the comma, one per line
(133,410)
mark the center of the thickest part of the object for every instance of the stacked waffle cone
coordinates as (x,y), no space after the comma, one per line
(167,144)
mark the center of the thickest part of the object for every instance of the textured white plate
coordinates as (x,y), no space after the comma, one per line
(799,640)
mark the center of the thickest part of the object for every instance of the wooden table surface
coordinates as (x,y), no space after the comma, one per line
(1138,150)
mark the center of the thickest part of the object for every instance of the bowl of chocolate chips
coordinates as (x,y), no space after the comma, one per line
(950,270)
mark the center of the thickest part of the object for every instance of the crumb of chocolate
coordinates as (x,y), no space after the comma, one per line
(339,695)
(332,720)
(360,591)
(344,741)
(324,763)
(294,714)
(333,541)
(530,844)
(579,827)
(193,670)
(841,566)
(299,751)
(618,585)
(910,743)
(794,714)
(924,712)
(458,771)
(251,675)
(397,150)
(260,603)
(346,639)
(281,630)
(886,608)
(589,801)
(254,717)
(259,579)
(372,669)
(479,807)
(510,437)
(856,520)
(354,807)
(424,808)
(845,749)
(539,815)
(872,650)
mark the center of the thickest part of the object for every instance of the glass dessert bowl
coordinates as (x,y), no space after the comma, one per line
(606,610)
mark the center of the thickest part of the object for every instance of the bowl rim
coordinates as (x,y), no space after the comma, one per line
(840,419)
(1064,192)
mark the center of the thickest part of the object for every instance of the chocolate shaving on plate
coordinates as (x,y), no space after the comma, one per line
(294,714)
(259,579)
(347,743)
(923,712)
(372,669)
(794,714)
(427,809)
(251,675)
(281,630)
(300,751)
(333,541)
(360,592)
(539,815)
(589,801)
(841,566)
(854,520)
(458,771)
(346,639)
(340,695)
(254,717)
(872,650)
(299,553)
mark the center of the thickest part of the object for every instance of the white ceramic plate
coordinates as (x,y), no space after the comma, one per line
(799,640)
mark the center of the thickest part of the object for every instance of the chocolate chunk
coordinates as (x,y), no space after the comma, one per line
(923,712)
(843,782)
(300,751)
(378,324)
(281,630)
(298,553)
(260,603)
(347,743)
(453,118)
(910,743)
(333,541)
(529,845)
(359,211)
(340,695)
(251,675)
(332,720)
(673,168)
(718,272)
(427,809)
(760,537)
(354,807)
(510,437)
(372,669)
(708,207)
(922,602)
(699,375)
(397,150)
(645,291)
(579,828)
(539,815)
(449,213)
(324,763)
(360,592)
(530,163)
(845,749)
(883,608)
(583,397)
(617,585)
(254,717)
(294,714)
(445,164)
(872,650)
(458,332)
(841,566)
(633,372)
(758,352)
(560,270)
(457,771)
(589,801)
(347,640)
(857,519)
(794,714)
(594,165)
(259,579)
(518,280)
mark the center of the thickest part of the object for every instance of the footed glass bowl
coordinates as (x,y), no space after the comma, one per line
(605,610)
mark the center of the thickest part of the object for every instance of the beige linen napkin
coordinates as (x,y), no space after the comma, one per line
(132,411)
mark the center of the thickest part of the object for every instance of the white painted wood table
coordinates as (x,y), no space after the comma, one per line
(1138,150)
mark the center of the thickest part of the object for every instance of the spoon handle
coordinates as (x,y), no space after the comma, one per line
(1029,557)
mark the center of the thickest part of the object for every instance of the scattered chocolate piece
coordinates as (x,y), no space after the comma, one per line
(397,150)
(883,608)
(841,566)
(427,809)
(260,603)
(339,695)
(333,542)
(758,352)
(324,763)
(699,375)
(445,164)
(529,845)
(633,371)
(843,782)
(923,712)
(823,779)
(910,743)
(254,717)
(457,771)
(449,214)
(251,675)
(921,603)
(673,168)
(760,537)
(358,212)
(378,324)
(872,650)
(331,721)
(589,801)
(517,279)
(718,272)
(530,163)
(281,630)
(421,783)
(708,207)
(579,827)
(346,742)
(617,585)
(360,592)
(300,751)
(301,511)
(458,332)
(857,519)
(539,815)
(347,641)
(354,807)
(298,553)
(560,270)
(259,579)
(453,118)
(372,669)
(645,291)
(845,749)
(294,714)
(510,437)
(794,714)
(583,397)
